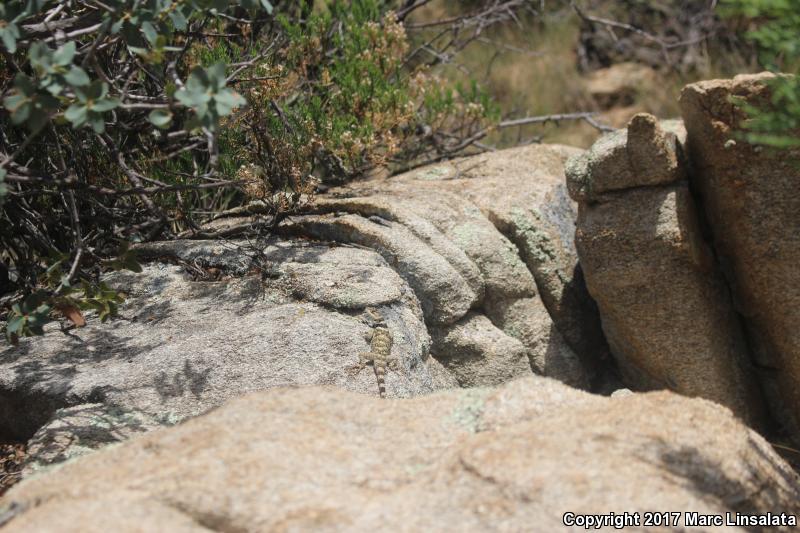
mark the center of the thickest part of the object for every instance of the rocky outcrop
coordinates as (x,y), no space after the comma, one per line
(644,154)
(665,309)
(514,459)
(445,294)
(527,320)
(475,274)
(76,431)
(750,197)
(508,210)
(183,346)
(478,353)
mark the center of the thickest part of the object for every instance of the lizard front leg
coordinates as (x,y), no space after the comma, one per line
(364,358)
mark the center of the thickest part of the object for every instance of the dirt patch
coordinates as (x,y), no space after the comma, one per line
(11,457)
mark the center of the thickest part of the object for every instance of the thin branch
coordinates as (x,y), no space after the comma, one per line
(543,119)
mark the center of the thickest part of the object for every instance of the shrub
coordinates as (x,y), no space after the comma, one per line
(131,120)
(775,26)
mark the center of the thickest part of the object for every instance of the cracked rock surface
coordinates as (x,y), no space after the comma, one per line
(514,458)
(510,213)
(752,205)
(182,347)
(665,308)
(475,274)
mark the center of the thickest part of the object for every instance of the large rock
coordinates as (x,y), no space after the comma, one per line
(182,347)
(483,258)
(82,429)
(751,200)
(477,353)
(512,459)
(493,265)
(527,320)
(645,153)
(521,192)
(445,294)
(504,283)
(665,308)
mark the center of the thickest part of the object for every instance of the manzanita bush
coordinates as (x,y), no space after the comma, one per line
(130,120)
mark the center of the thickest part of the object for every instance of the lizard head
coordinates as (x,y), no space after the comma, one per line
(374,317)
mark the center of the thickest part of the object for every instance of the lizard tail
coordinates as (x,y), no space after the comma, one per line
(380,373)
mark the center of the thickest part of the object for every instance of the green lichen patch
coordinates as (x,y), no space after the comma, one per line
(468,411)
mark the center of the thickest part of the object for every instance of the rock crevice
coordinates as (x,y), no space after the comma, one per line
(750,200)
(482,259)
(665,308)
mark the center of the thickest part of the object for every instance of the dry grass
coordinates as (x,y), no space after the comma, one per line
(532,70)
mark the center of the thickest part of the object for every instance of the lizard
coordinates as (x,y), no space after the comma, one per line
(380,342)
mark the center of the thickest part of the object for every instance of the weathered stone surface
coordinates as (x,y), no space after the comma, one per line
(201,327)
(182,347)
(512,459)
(445,295)
(391,209)
(478,354)
(665,309)
(527,319)
(76,431)
(508,282)
(521,192)
(666,312)
(645,153)
(655,154)
(495,269)
(751,201)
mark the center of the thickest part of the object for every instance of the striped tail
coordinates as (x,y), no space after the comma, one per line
(380,373)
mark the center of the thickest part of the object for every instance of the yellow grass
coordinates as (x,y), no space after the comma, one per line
(539,76)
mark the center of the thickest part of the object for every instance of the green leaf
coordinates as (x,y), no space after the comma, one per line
(38,319)
(41,57)
(94,91)
(16,325)
(77,114)
(198,79)
(139,51)
(98,89)
(106,104)
(217,76)
(63,56)
(54,87)
(227,101)
(178,19)
(24,84)
(150,32)
(97,123)
(160,118)
(20,107)
(77,77)
(28,105)
(9,35)
(194,97)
